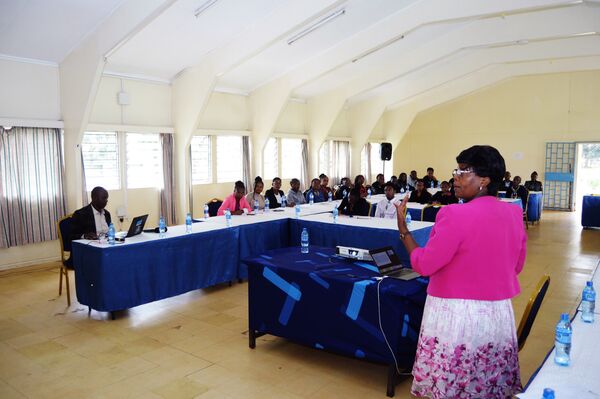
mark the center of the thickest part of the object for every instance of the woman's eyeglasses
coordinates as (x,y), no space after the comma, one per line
(460,172)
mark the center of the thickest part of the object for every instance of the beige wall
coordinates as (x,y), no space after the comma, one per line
(29,91)
(226,112)
(293,119)
(517,116)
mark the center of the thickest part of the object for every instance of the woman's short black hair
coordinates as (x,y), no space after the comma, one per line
(240,185)
(275,179)
(322,175)
(258,179)
(486,161)
(357,178)
(355,192)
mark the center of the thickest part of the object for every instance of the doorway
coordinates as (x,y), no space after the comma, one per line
(587,174)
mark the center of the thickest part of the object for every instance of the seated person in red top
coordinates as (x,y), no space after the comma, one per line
(236,203)
(444,197)
(315,190)
(378,187)
(354,204)
(430,178)
(420,194)
(344,188)
(325,190)
(359,184)
(516,190)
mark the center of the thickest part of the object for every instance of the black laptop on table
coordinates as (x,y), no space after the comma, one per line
(389,264)
(137,226)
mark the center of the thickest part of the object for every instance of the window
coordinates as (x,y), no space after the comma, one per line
(201,156)
(377,165)
(291,158)
(334,160)
(271,159)
(144,160)
(229,159)
(324,159)
(101,160)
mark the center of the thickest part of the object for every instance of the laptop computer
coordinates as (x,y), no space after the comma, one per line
(137,225)
(389,264)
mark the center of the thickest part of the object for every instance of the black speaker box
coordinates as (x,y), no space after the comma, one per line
(386,151)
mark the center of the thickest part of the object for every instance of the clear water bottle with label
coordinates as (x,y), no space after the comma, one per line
(304,241)
(335,213)
(206,213)
(111,234)
(562,342)
(588,303)
(548,393)
(311,198)
(283,201)
(297,211)
(432,184)
(188,223)
(329,197)
(369,192)
(267,203)
(255,206)
(402,190)
(345,193)
(408,218)
(461,201)
(228,217)
(162,227)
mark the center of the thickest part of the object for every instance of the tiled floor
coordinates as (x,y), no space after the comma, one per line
(195,345)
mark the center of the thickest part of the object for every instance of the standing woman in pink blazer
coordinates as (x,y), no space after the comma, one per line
(468,343)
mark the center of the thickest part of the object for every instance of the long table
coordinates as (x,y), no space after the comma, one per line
(330,303)
(147,268)
(590,211)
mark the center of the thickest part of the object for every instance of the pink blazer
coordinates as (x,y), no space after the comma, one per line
(229,202)
(475,251)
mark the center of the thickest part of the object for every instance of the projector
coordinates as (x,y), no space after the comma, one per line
(353,253)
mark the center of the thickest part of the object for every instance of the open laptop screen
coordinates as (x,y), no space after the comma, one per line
(385,259)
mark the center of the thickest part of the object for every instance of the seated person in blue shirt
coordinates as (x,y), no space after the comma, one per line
(420,195)
(444,197)
(315,190)
(516,190)
(534,184)
(274,194)
(343,189)
(378,186)
(354,204)
(402,185)
(295,196)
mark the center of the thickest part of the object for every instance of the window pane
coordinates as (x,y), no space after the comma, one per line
(101,160)
(324,166)
(291,158)
(201,160)
(270,159)
(229,159)
(144,160)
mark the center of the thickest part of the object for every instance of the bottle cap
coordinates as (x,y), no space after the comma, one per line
(564,316)
(590,284)
(548,393)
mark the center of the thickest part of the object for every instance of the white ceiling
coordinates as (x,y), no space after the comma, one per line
(48,30)
(395,51)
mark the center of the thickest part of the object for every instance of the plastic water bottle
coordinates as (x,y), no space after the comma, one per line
(431,184)
(562,343)
(439,184)
(311,198)
(548,393)
(283,201)
(188,223)
(111,234)
(402,190)
(345,193)
(266,205)
(335,214)
(297,211)
(228,217)
(461,201)
(588,303)
(369,193)
(304,241)
(161,227)
(206,214)
(255,206)
(329,197)
(408,218)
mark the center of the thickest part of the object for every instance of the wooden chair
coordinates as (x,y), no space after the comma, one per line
(213,206)
(429,212)
(531,310)
(63,226)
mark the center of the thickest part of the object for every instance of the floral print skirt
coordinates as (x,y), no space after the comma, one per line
(467,349)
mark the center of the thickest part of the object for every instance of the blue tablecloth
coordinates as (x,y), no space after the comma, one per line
(534,206)
(258,238)
(330,235)
(331,304)
(122,277)
(590,211)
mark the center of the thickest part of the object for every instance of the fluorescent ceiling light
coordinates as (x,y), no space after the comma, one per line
(316,25)
(204,7)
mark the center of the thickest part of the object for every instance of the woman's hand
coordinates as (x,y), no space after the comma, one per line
(400,212)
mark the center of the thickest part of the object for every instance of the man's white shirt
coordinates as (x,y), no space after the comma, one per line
(100,219)
(386,209)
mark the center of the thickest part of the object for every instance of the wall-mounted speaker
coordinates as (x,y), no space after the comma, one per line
(386,151)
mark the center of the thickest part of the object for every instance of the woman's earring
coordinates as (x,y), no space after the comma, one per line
(480,188)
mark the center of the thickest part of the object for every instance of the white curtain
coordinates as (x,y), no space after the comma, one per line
(84,195)
(340,161)
(366,172)
(304,180)
(31,185)
(167,192)
(246,172)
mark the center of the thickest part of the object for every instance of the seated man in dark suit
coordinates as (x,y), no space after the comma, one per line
(444,197)
(516,190)
(378,185)
(92,221)
(420,194)
(344,188)
(354,204)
